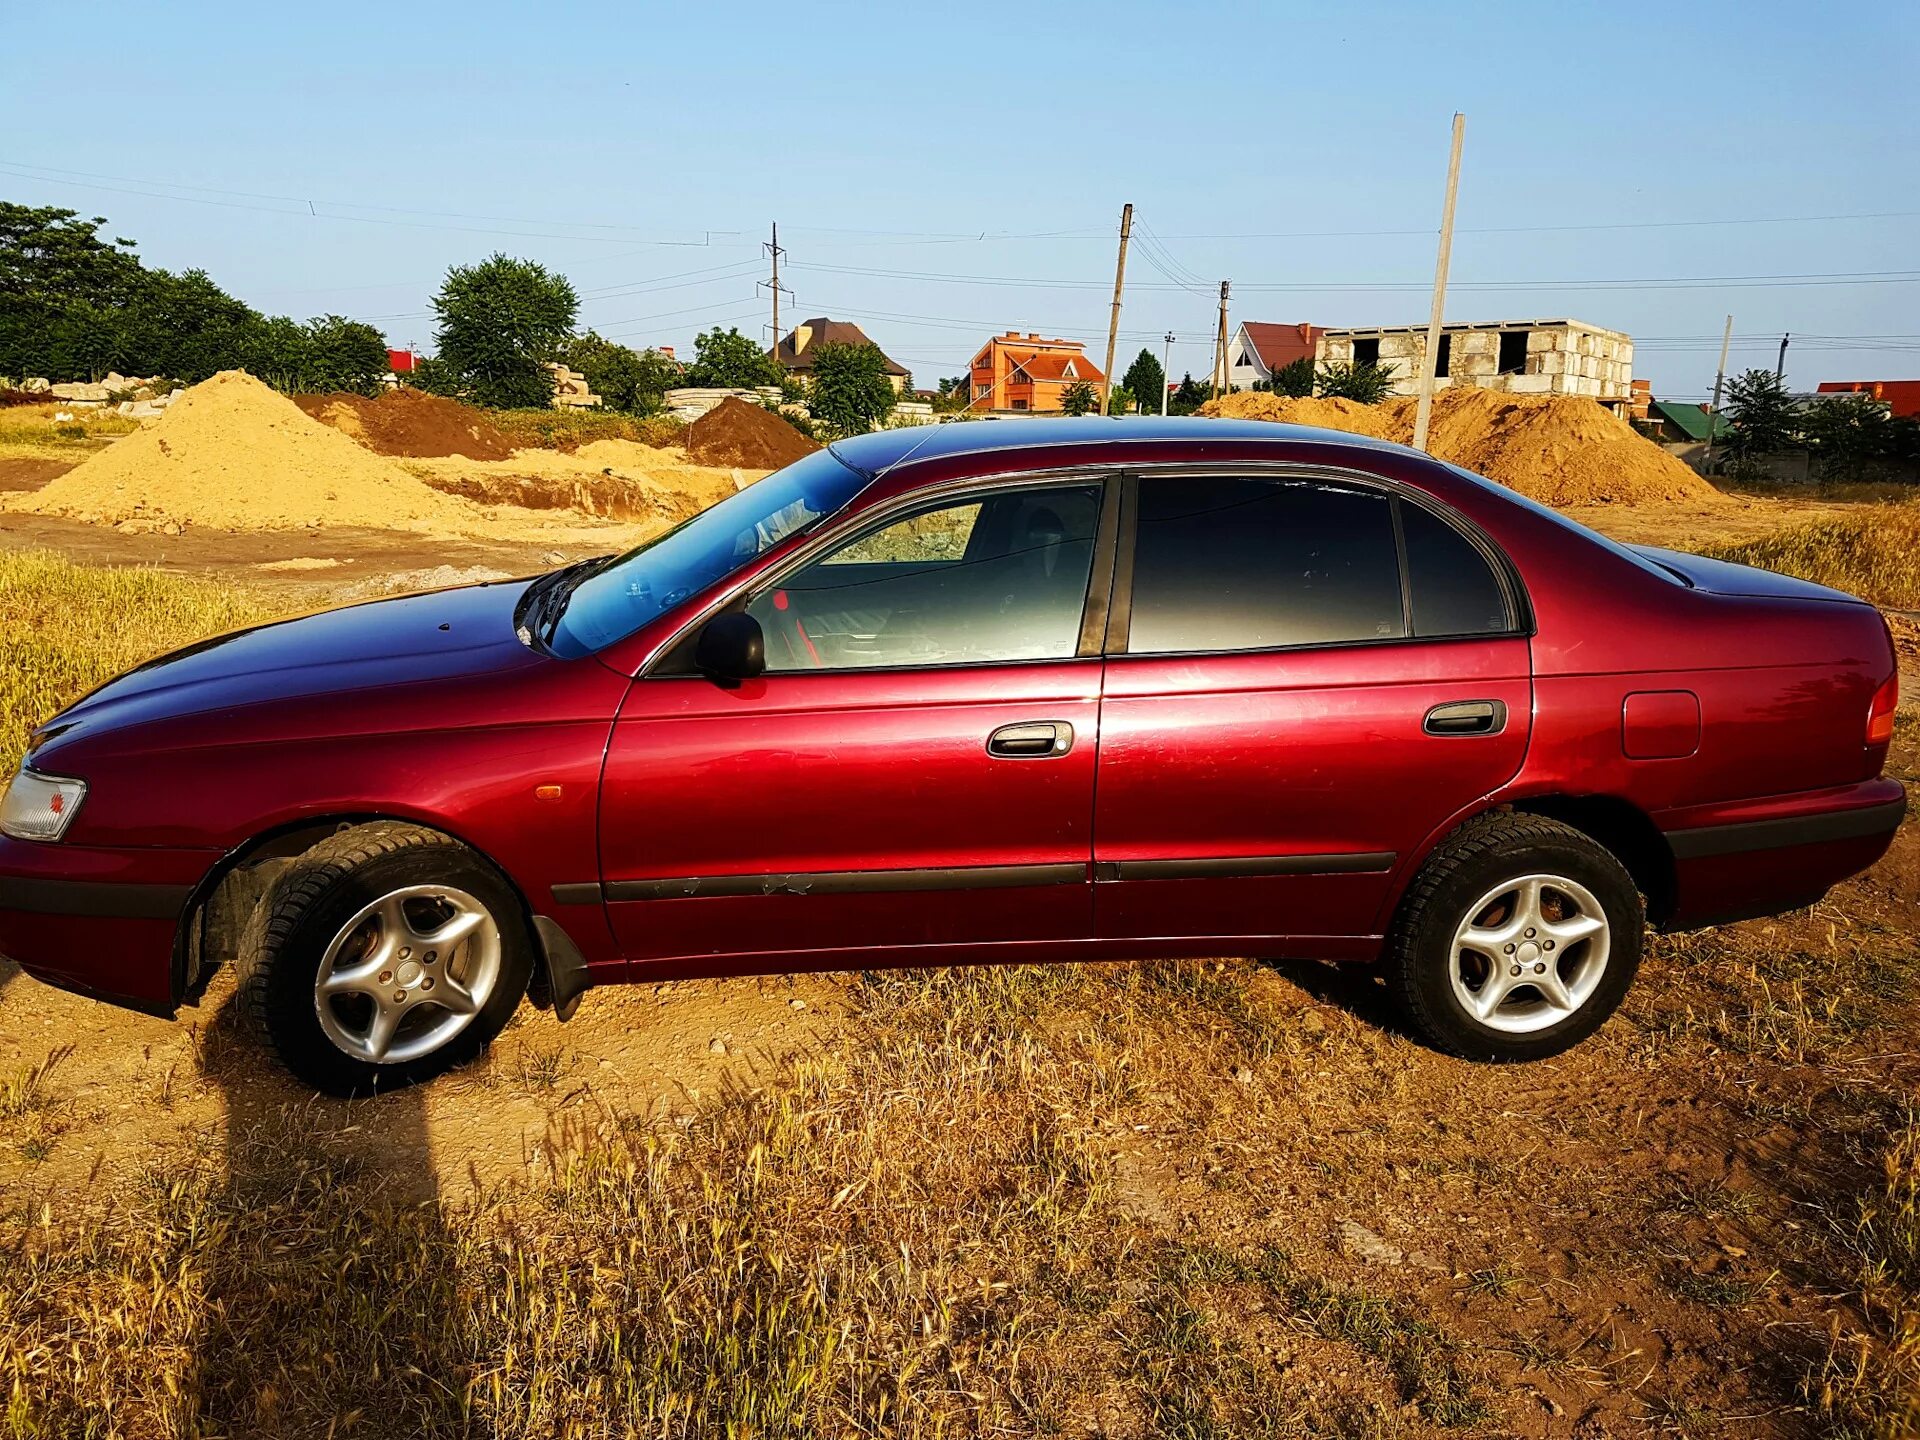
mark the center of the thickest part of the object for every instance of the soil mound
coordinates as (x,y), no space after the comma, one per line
(410,422)
(1557,449)
(233,455)
(736,433)
(1328,414)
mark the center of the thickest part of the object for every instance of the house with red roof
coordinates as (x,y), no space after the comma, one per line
(1901,397)
(1029,374)
(1259,349)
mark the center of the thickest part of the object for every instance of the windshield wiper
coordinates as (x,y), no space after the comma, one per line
(546,599)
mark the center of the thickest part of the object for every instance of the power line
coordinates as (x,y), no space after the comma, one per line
(1687,282)
(630,234)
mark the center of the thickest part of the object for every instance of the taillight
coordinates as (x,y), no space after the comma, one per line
(1880,714)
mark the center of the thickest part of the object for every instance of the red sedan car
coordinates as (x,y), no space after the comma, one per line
(1046,690)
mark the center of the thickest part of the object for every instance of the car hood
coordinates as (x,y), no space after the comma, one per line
(439,636)
(1723,577)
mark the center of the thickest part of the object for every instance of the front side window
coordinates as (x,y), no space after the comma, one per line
(990,578)
(1256,564)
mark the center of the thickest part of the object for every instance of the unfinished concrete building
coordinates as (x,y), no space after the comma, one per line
(1523,357)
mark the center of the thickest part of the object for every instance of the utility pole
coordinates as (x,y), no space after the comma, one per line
(1113,324)
(773,249)
(1780,370)
(1166,375)
(1219,385)
(1719,379)
(1423,410)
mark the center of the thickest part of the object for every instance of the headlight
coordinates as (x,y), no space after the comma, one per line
(40,807)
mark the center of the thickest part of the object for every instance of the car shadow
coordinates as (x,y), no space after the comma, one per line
(1360,990)
(332,1281)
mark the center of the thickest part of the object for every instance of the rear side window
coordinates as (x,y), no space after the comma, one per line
(1453,588)
(1255,564)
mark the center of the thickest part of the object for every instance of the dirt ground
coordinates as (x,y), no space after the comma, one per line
(1645,1236)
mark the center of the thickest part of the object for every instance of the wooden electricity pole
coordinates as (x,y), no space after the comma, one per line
(1719,378)
(1423,411)
(1220,385)
(1113,323)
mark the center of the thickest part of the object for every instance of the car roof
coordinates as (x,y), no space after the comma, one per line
(881,451)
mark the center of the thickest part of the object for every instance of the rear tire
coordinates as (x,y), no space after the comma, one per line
(385,955)
(1517,939)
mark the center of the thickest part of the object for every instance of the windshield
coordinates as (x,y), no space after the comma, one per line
(616,599)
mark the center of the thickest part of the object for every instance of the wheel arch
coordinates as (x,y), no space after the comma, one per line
(220,904)
(1611,821)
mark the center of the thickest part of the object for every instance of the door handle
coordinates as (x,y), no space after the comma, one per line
(1031,740)
(1467,717)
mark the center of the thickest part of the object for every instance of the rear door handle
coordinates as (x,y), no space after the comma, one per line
(1031,740)
(1467,717)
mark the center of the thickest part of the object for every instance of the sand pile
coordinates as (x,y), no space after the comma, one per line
(231,454)
(1329,414)
(410,422)
(736,433)
(1558,449)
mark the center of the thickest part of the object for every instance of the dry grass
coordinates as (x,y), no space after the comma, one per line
(1869,553)
(1868,1385)
(570,429)
(33,432)
(69,627)
(1085,1199)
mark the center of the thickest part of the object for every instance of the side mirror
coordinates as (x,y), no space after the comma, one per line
(731,647)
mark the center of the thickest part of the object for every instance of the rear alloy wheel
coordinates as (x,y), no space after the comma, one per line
(1518,939)
(383,956)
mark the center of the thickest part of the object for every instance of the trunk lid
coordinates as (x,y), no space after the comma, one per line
(1724,577)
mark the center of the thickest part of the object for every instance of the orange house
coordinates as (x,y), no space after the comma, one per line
(1025,373)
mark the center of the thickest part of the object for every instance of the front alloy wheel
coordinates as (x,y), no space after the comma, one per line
(384,956)
(407,973)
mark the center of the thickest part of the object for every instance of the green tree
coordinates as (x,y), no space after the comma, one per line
(953,394)
(1079,398)
(1367,383)
(1761,414)
(1120,401)
(727,359)
(62,292)
(1145,380)
(1295,378)
(850,392)
(1846,433)
(1189,397)
(627,380)
(500,323)
(340,354)
(187,326)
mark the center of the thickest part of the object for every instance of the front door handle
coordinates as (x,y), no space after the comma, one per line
(1467,717)
(1031,740)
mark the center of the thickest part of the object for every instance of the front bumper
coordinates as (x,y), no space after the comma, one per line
(1765,857)
(100,921)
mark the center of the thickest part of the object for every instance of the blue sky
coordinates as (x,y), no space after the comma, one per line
(643,150)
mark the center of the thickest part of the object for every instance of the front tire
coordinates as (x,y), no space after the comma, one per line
(385,955)
(1517,939)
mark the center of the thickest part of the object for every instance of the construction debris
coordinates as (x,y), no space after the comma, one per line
(570,389)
